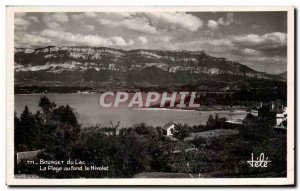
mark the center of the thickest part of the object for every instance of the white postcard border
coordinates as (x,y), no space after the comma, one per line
(10,180)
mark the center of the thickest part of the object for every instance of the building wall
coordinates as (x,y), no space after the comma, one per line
(29,155)
(280,117)
(170,129)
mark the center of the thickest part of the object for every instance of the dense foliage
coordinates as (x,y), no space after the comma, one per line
(55,131)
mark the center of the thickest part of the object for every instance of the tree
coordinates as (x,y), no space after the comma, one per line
(46,104)
(181,131)
(18,139)
(217,118)
(284,123)
(215,123)
(256,130)
(143,129)
(64,115)
(27,132)
(210,122)
(66,130)
(249,118)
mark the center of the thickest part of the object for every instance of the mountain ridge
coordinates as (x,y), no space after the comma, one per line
(100,66)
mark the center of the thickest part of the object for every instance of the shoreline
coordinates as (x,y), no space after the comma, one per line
(211,108)
(202,108)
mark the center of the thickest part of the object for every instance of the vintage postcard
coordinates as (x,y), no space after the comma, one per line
(150,96)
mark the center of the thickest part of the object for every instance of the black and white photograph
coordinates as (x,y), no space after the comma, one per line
(150,96)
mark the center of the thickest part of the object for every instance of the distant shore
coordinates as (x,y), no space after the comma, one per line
(202,108)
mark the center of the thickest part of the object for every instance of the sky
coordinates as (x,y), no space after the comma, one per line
(255,39)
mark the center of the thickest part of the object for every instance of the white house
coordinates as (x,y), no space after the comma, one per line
(280,117)
(27,155)
(170,127)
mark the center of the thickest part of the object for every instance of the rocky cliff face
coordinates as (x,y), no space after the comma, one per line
(90,65)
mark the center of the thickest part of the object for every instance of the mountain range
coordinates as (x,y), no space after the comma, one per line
(102,68)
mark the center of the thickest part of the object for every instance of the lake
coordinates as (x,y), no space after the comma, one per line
(88,111)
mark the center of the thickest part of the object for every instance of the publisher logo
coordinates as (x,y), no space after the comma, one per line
(260,162)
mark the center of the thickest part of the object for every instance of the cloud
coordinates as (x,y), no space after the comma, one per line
(29,40)
(34,19)
(152,22)
(138,24)
(21,22)
(254,26)
(228,20)
(259,52)
(219,42)
(213,25)
(271,43)
(243,46)
(118,15)
(77,17)
(251,51)
(89,27)
(81,16)
(20,14)
(67,38)
(277,38)
(143,39)
(162,38)
(54,20)
(119,41)
(59,17)
(177,20)
(251,44)
(90,14)
(155,30)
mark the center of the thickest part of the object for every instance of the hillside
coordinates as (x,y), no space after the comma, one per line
(104,68)
(283,75)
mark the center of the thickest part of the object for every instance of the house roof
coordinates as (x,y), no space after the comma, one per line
(27,155)
(166,126)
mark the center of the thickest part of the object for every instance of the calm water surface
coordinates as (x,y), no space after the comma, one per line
(88,111)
